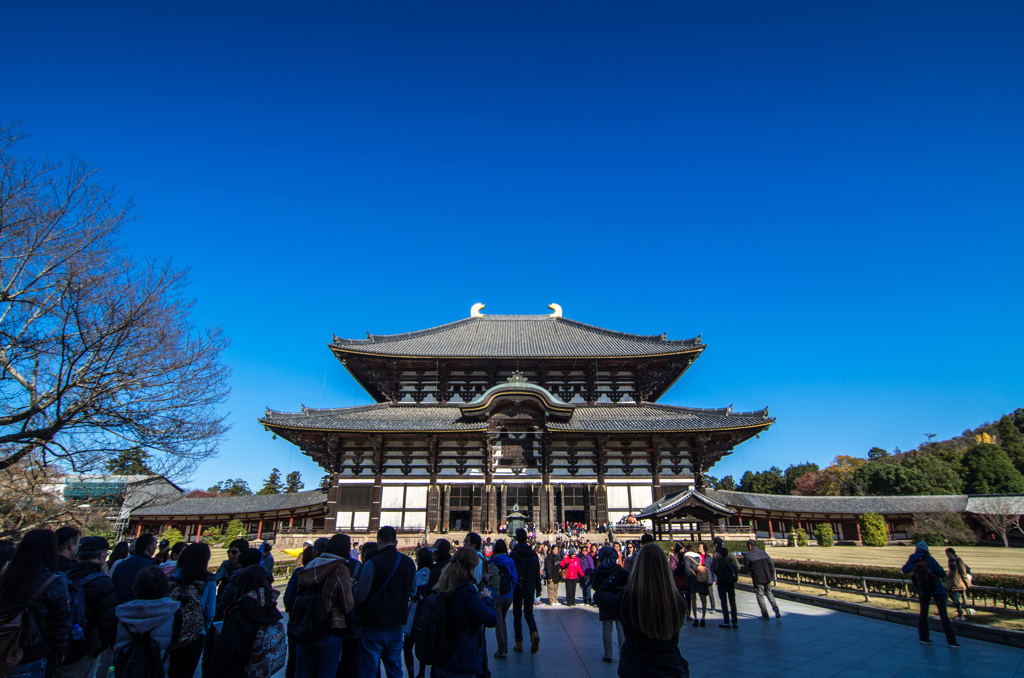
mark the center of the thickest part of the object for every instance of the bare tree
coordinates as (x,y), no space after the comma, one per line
(1000,515)
(97,352)
(29,497)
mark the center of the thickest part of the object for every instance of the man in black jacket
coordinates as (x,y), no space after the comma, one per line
(386,583)
(527,588)
(762,573)
(553,573)
(67,546)
(100,602)
(128,569)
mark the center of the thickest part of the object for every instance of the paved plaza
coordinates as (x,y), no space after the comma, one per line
(808,642)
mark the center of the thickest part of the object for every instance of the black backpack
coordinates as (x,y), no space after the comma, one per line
(923,578)
(308,621)
(505,580)
(140,658)
(430,630)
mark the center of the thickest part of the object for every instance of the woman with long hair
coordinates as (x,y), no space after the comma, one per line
(651,612)
(705,560)
(468,612)
(30,581)
(194,587)
(117,554)
(253,607)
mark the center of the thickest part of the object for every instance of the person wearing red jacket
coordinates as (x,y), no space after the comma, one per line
(573,573)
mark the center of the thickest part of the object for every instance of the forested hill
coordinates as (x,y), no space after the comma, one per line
(987,460)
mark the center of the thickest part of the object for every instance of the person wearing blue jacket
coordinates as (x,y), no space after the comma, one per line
(503,601)
(468,612)
(929,587)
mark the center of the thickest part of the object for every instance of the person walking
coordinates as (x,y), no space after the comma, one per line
(501,596)
(89,572)
(30,582)
(148,616)
(958,581)
(328,577)
(553,574)
(253,607)
(124,576)
(651,613)
(762,574)
(526,590)
(468,612)
(727,570)
(927,576)
(382,596)
(193,586)
(610,578)
(571,572)
(697,578)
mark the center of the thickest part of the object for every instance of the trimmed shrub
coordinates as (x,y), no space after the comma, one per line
(872,530)
(212,536)
(823,533)
(172,535)
(797,537)
(733,546)
(234,530)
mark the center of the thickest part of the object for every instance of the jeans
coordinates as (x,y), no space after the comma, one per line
(36,669)
(501,606)
(381,645)
(763,591)
(570,592)
(958,599)
(522,604)
(451,674)
(319,659)
(585,585)
(606,636)
(923,631)
(727,597)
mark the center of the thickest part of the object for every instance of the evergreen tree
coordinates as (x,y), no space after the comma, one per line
(293,482)
(796,471)
(235,487)
(987,470)
(325,483)
(235,529)
(872,530)
(130,462)
(931,474)
(1011,440)
(272,485)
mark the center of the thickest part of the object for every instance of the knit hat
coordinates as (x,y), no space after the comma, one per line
(922,546)
(91,546)
(606,553)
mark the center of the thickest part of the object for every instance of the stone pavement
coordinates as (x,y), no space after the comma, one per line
(808,642)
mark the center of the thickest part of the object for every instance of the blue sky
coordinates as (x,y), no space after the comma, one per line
(830,193)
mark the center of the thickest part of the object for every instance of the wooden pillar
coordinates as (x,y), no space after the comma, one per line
(859,538)
(446,510)
(259,529)
(771,534)
(291,520)
(199,531)
(138,531)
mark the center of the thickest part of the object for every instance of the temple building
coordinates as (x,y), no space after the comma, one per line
(484,415)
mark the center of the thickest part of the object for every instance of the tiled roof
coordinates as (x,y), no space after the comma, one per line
(516,336)
(386,417)
(257,503)
(999,504)
(668,504)
(782,503)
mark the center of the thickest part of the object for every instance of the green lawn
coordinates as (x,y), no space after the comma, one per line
(987,559)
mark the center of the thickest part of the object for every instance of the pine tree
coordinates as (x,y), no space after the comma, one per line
(293,482)
(987,470)
(130,462)
(272,485)
(1011,440)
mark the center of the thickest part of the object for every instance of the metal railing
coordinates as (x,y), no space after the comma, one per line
(898,589)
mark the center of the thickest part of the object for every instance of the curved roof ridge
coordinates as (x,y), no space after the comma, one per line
(723,411)
(387,338)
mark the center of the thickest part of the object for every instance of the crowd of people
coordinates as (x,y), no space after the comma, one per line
(81,609)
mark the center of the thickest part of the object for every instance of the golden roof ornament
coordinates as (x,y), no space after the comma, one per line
(475,311)
(557,310)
